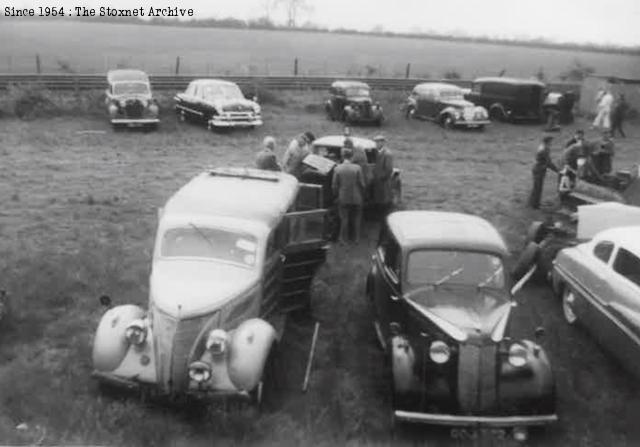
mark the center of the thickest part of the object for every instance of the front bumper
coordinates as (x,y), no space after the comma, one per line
(135,122)
(232,121)
(477,421)
(471,123)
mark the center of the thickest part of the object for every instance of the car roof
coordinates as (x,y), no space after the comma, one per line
(338,141)
(127,75)
(437,85)
(344,84)
(242,193)
(514,81)
(445,230)
(212,81)
(627,237)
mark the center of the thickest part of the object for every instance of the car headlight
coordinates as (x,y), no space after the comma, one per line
(199,371)
(153,109)
(517,355)
(136,332)
(439,352)
(217,341)
(457,114)
(257,109)
(113,109)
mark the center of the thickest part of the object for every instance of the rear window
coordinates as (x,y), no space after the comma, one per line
(628,265)
(603,251)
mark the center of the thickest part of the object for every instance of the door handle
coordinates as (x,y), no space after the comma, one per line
(394,297)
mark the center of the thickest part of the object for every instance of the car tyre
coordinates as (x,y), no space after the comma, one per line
(447,122)
(410,113)
(527,259)
(568,300)
(496,114)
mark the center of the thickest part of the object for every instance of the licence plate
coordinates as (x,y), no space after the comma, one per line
(467,434)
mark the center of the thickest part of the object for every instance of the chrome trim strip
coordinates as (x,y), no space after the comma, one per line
(491,421)
(135,120)
(187,109)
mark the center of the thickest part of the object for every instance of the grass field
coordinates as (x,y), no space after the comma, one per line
(95,47)
(78,220)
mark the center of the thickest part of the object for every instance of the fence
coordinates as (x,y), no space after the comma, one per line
(160,82)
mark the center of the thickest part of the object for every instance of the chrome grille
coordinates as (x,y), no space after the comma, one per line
(477,391)
(133,108)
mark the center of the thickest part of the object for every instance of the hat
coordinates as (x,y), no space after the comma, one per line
(348,143)
(379,137)
(309,136)
(547,138)
(269,142)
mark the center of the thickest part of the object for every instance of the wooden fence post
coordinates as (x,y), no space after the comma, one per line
(177,65)
(408,71)
(295,67)
(38,63)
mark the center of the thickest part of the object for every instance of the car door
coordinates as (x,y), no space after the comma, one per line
(386,282)
(306,236)
(272,271)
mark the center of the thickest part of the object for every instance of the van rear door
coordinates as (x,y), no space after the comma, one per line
(306,246)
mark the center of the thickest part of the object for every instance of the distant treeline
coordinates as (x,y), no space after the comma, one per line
(266,24)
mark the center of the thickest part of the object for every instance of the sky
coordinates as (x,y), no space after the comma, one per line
(614,22)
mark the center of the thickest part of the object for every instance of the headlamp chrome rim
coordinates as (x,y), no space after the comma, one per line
(199,371)
(439,352)
(517,355)
(217,342)
(136,332)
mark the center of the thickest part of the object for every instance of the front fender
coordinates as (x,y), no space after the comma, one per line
(451,111)
(110,345)
(249,349)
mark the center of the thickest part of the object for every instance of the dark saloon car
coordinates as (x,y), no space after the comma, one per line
(129,100)
(510,99)
(445,104)
(218,103)
(438,287)
(350,101)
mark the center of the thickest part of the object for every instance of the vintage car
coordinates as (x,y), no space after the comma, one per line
(438,288)
(329,148)
(129,100)
(350,101)
(510,99)
(218,103)
(599,285)
(445,104)
(236,250)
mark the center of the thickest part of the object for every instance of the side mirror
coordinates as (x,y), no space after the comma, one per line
(105,301)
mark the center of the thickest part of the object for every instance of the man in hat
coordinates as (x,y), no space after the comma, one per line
(348,188)
(382,172)
(618,115)
(539,170)
(296,152)
(266,158)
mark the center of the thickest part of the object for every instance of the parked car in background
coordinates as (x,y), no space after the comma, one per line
(218,103)
(129,100)
(350,101)
(599,284)
(441,305)
(509,99)
(236,250)
(445,104)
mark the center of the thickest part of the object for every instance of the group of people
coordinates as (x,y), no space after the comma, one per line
(352,182)
(610,112)
(587,160)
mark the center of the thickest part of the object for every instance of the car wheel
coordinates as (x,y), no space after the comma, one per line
(447,122)
(496,114)
(535,233)
(568,301)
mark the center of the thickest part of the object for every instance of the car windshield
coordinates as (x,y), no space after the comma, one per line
(449,95)
(211,92)
(130,88)
(357,91)
(214,243)
(436,267)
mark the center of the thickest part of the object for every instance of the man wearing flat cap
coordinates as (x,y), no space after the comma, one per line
(298,149)
(382,172)
(539,170)
(266,158)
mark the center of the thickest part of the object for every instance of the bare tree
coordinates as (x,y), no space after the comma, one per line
(293,8)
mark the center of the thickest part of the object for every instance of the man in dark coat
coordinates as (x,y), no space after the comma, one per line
(539,170)
(618,115)
(382,172)
(348,187)
(266,158)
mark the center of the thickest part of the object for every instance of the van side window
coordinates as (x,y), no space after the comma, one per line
(603,251)
(628,265)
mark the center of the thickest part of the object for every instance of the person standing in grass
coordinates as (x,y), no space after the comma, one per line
(266,158)
(297,150)
(618,115)
(603,116)
(382,172)
(539,170)
(348,188)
